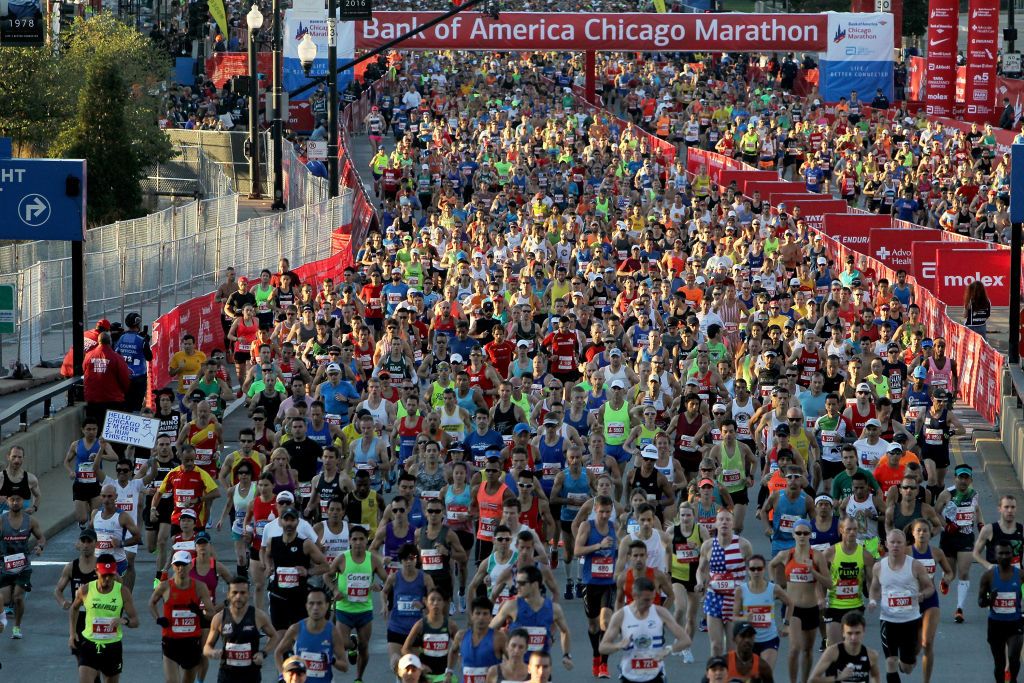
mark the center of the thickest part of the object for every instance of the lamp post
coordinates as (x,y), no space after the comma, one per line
(307,54)
(277,129)
(254,20)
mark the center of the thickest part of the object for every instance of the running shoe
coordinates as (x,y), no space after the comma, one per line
(16,633)
(595,667)
(568,591)
(579,589)
(959,617)
(687,656)
(353,651)
(462,603)
(602,670)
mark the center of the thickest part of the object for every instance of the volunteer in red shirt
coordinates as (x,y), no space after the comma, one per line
(106,378)
(190,488)
(67,367)
(563,345)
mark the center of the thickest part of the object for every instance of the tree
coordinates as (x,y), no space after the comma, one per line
(915,17)
(33,109)
(101,135)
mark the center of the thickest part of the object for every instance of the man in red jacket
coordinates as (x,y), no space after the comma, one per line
(106,378)
(67,368)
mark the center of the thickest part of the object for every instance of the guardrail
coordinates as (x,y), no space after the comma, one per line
(20,411)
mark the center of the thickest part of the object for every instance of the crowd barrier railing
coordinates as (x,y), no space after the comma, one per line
(979,365)
(319,238)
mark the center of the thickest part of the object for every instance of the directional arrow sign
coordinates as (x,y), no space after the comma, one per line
(42,199)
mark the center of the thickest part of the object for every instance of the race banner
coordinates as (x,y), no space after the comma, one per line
(940,70)
(632,32)
(739,176)
(713,162)
(982,59)
(852,230)
(298,24)
(957,267)
(812,209)
(894,246)
(924,261)
(766,187)
(858,57)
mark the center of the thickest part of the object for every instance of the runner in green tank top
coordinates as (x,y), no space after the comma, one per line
(108,608)
(737,464)
(849,564)
(355,570)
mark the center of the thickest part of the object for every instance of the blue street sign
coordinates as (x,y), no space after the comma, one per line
(1017,183)
(42,199)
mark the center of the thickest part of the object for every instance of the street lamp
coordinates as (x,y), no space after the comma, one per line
(254,20)
(307,53)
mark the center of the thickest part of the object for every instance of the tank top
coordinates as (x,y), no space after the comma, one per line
(9,487)
(287,557)
(742,414)
(577,490)
(246,334)
(537,623)
(552,460)
(616,424)
(334,543)
(322,436)
(727,567)
(1016,540)
(734,469)
(734,668)
(847,572)
(209,578)
(84,466)
(354,585)
(316,650)
(103,614)
(899,591)
(436,641)
(798,572)
(599,566)
(14,544)
(646,635)
(656,557)
(407,594)
(241,642)
(1005,597)
(262,513)
(495,569)
(457,508)
(432,561)
(106,531)
(452,424)
(476,659)
(241,504)
(489,505)
(940,378)
(428,486)
(685,552)
(183,620)
(393,543)
(858,665)
(760,611)
(327,490)
(902,521)
(787,512)
(823,540)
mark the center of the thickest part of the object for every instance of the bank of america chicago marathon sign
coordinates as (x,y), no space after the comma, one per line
(612,32)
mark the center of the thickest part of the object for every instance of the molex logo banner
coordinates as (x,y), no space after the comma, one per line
(956,268)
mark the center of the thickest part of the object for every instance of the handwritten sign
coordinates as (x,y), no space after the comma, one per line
(130,429)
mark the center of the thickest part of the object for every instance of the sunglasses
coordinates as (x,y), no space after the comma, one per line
(755,569)
(434,512)
(121,470)
(503,539)
(398,511)
(801,533)
(490,471)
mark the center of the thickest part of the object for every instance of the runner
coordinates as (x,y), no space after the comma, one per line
(355,570)
(431,638)
(637,630)
(16,528)
(108,609)
(961,515)
(184,600)
(116,530)
(290,560)
(512,668)
(723,561)
(851,568)
(755,605)
(408,588)
(537,614)
(478,646)
(77,573)
(1000,591)
(932,559)
(240,624)
(315,640)
(849,659)
(1006,528)
(687,539)
(737,464)
(80,463)
(596,546)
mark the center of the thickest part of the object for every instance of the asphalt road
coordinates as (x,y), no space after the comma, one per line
(42,653)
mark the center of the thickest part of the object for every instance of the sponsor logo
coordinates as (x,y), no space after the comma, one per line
(964,280)
(882,253)
(940,41)
(840,35)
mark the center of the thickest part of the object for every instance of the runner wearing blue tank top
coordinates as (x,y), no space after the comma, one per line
(407,588)
(314,640)
(572,488)
(596,543)
(535,613)
(999,591)
(84,456)
(480,647)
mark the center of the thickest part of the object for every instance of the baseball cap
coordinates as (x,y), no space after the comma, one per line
(189,512)
(718,662)
(743,628)
(822,261)
(456,358)
(895,448)
(290,512)
(285,497)
(103,324)
(333,367)
(706,482)
(927,344)
(550,422)
(782,429)
(873,423)
(920,372)
(202,537)
(294,664)
(520,428)
(614,352)
(110,566)
(182,557)
(87,534)
(863,386)
(649,452)
(523,344)
(409,660)
(617,384)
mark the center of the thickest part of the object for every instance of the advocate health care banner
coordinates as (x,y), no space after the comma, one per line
(858,56)
(298,23)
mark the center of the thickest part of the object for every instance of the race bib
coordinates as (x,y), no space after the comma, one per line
(730,477)
(722,583)
(643,663)
(537,637)
(457,513)
(801,575)
(358,587)
(616,429)
(687,553)
(104,542)
(288,577)
(435,644)
(86,472)
(15,563)
(183,497)
(183,621)
(474,674)
(933,437)
(431,560)
(899,601)
(602,567)
(760,616)
(316,664)
(1004,602)
(786,522)
(104,628)
(238,654)
(306,489)
(847,588)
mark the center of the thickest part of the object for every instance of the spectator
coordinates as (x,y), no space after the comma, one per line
(106,379)
(977,308)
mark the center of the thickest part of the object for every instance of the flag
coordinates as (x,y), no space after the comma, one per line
(218,14)
(659,5)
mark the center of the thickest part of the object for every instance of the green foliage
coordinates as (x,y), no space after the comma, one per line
(49,109)
(100,134)
(915,17)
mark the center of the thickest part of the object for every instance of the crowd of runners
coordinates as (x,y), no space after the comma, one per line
(563,375)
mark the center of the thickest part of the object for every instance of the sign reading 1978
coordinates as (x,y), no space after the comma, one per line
(355,10)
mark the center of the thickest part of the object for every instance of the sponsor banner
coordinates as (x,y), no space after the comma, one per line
(957,266)
(812,210)
(924,264)
(712,162)
(766,187)
(199,317)
(894,246)
(739,176)
(852,230)
(299,23)
(940,68)
(632,32)
(859,55)
(127,428)
(982,59)
(981,387)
